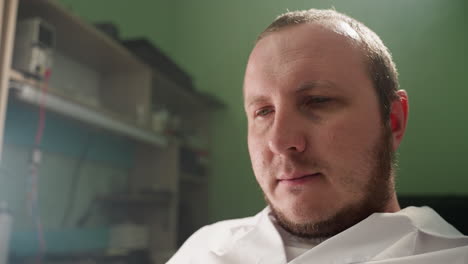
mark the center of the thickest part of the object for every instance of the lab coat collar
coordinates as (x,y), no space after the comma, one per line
(360,242)
(260,235)
(428,221)
(370,239)
(377,235)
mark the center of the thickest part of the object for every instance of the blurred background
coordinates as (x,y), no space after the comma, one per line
(124,129)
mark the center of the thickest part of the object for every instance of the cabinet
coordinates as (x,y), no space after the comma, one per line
(99,83)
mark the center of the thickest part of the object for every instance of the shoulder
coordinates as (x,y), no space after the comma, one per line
(426,220)
(211,236)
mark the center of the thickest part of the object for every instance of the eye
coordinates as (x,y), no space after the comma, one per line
(316,101)
(263,112)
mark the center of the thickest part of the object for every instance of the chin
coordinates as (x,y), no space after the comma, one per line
(312,218)
(308,204)
(301,214)
(303,209)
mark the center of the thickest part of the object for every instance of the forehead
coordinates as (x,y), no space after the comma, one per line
(305,53)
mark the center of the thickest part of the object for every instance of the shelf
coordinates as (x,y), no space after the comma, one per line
(172,86)
(80,40)
(180,100)
(26,90)
(119,80)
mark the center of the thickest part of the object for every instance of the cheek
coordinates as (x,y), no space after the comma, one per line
(353,132)
(349,148)
(256,149)
(260,159)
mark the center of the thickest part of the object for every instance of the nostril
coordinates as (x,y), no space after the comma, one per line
(293,148)
(287,134)
(297,147)
(286,145)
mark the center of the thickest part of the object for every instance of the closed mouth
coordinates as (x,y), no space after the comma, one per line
(300,177)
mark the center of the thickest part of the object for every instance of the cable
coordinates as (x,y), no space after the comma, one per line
(42,110)
(33,194)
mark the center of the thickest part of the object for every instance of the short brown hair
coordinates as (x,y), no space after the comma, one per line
(382,69)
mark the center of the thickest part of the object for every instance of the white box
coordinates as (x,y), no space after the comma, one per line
(34,43)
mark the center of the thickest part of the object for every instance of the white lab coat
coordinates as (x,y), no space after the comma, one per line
(412,236)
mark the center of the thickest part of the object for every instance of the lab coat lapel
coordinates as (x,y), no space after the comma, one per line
(380,237)
(361,242)
(388,236)
(257,243)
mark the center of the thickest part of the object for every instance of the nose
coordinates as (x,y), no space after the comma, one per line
(287,135)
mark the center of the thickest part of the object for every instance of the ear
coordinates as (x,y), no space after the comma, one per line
(399,117)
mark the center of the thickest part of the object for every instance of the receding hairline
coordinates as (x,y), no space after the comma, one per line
(380,64)
(328,23)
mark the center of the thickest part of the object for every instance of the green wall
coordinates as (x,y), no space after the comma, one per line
(212,39)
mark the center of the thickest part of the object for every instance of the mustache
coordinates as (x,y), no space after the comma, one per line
(290,164)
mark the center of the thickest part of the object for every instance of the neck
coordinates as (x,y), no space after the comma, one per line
(392,206)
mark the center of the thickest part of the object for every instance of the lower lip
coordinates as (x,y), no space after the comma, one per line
(301,180)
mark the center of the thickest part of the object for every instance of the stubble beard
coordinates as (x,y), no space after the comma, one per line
(378,192)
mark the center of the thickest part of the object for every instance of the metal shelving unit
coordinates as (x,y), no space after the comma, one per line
(28,90)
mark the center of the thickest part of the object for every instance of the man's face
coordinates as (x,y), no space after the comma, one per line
(318,145)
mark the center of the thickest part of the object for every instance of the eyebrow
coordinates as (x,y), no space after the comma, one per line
(256,99)
(311,85)
(306,86)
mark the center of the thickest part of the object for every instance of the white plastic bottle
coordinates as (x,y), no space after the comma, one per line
(5,231)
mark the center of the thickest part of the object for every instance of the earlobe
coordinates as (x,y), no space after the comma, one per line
(399,117)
